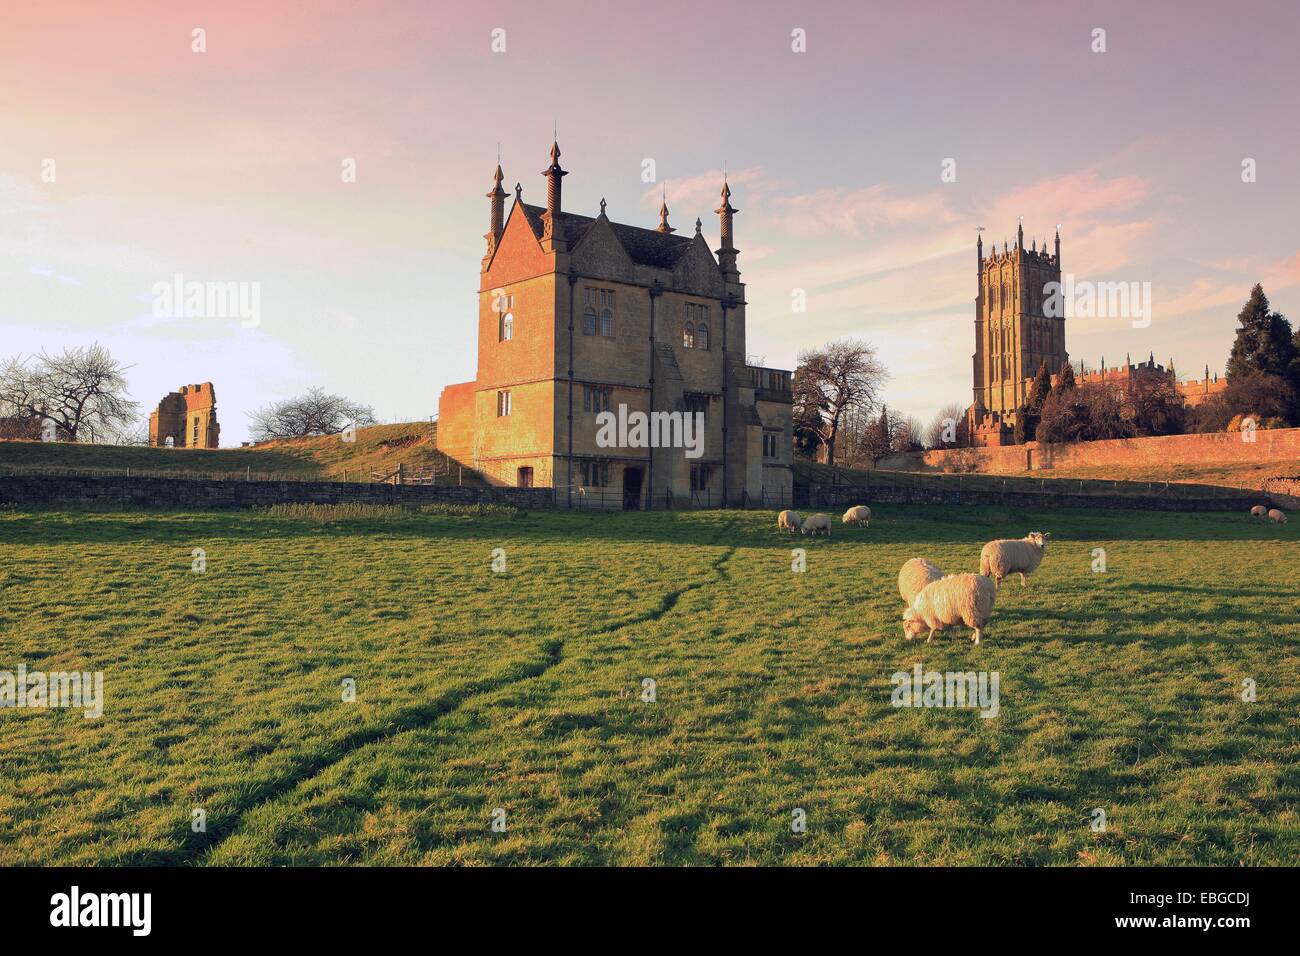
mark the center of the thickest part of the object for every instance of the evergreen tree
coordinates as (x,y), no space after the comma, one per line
(1294,377)
(1039,390)
(1024,428)
(1065,378)
(1263,342)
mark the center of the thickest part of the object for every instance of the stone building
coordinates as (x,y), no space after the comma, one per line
(186,419)
(580,315)
(1015,335)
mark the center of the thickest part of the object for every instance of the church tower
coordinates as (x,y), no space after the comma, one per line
(1017,329)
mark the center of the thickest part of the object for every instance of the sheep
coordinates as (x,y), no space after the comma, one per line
(789,521)
(914,576)
(1007,556)
(1258,511)
(818,522)
(955,599)
(1275,515)
(858,514)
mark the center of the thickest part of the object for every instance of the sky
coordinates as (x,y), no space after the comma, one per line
(128,158)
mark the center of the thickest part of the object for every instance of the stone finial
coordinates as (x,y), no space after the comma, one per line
(727,249)
(498,198)
(663,216)
(553,174)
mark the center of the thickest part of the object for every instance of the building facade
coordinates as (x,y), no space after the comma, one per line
(580,315)
(186,419)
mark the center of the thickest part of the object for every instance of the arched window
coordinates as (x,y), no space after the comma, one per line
(507,327)
(688,336)
(703,340)
(589,321)
(606,322)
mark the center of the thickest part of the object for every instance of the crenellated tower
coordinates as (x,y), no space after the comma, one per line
(1017,325)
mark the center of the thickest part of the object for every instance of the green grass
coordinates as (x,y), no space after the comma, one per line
(521,690)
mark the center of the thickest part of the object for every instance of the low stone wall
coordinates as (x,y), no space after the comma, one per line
(210,493)
(1280,444)
(841,496)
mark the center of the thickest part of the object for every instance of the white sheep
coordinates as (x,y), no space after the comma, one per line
(1008,556)
(789,521)
(858,514)
(1258,511)
(956,599)
(815,523)
(914,576)
(1275,515)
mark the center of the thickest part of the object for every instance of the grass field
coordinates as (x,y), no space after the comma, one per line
(522,691)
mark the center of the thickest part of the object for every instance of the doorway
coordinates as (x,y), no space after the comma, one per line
(631,489)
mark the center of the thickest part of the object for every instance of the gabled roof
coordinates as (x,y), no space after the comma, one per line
(647,247)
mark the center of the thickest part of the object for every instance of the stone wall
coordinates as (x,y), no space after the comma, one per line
(208,493)
(827,496)
(1281,444)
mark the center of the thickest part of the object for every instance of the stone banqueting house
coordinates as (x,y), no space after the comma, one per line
(186,419)
(581,314)
(1015,335)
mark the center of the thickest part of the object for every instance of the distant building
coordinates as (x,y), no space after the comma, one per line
(1194,392)
(1014,336)
(580,315)
(186,419)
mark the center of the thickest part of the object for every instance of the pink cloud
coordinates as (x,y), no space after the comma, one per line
(862,210)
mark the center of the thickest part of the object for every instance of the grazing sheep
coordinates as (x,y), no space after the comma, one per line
(858,514)
(818,522)
(916,574)
(1278,516)
(1009,556)
(1258,511)
(789,521)
(956,599)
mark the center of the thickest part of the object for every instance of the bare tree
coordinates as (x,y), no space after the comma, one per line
(847,376)
(946,427)
(910,436)
(81,390)
(312,413)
